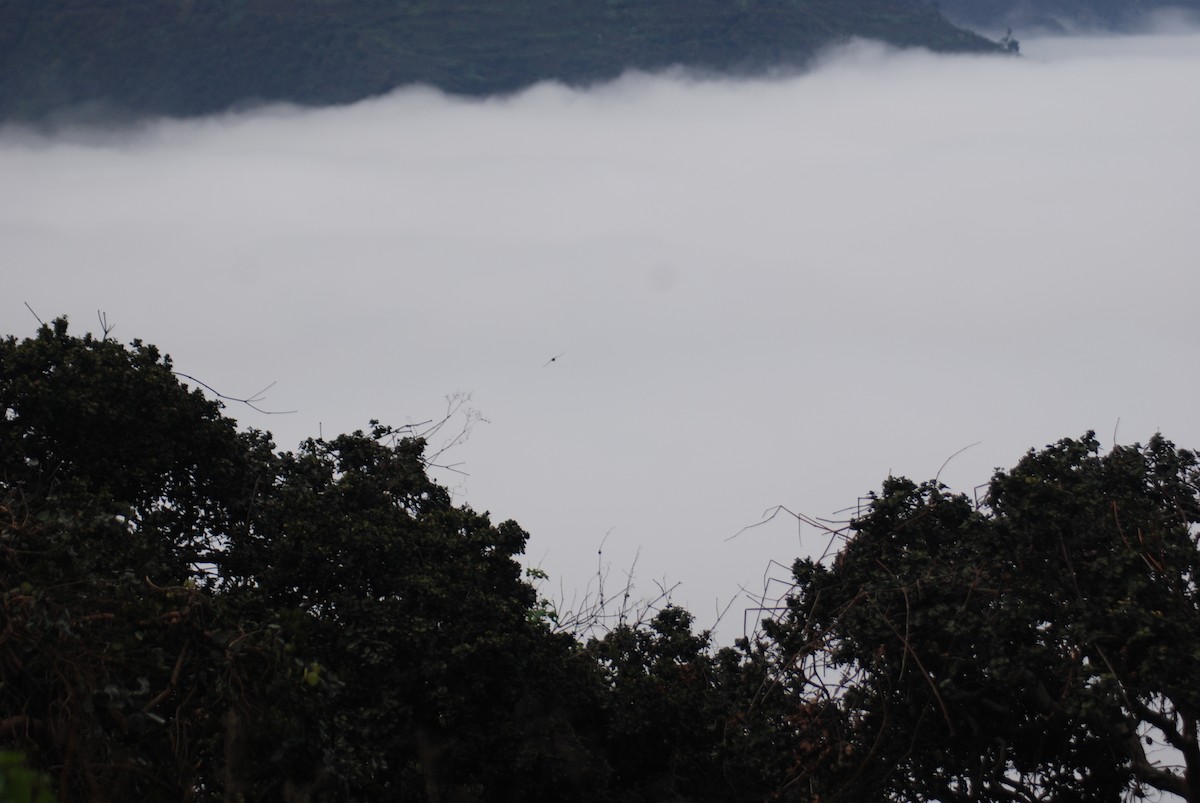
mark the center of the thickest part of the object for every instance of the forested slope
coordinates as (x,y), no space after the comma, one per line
(186,57)
(1061,15)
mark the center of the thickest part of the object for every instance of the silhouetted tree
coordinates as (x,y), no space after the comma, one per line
(1027,650)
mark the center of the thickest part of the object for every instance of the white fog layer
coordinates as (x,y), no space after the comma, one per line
(763,293)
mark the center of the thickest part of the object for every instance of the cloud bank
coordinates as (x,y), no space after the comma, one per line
(765,293)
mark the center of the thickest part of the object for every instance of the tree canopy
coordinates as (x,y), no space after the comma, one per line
(187,613)
(1029,648)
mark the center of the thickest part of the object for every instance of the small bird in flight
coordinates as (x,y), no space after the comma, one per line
(552,359)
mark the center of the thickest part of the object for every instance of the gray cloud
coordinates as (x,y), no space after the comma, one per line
(768,292)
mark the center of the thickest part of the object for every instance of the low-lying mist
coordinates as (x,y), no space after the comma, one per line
(769,292)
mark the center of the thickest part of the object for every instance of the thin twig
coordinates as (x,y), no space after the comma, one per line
(104,327)
(937,476)
(34,314)
(251,402)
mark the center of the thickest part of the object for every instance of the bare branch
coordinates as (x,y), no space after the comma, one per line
(251,402)
(600,611)
(769,515)
(104,327)
(1149,774)
(34,314)
(455,404)
(937,476)
(1167,725)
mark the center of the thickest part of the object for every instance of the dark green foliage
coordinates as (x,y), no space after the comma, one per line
(679,722)
(96,425)
(1015,651)
(416,607)
(19,784)
(187,57)
(186,614)
(663,721)
(122,674)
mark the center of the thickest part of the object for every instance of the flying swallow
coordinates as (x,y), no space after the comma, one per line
(552,359)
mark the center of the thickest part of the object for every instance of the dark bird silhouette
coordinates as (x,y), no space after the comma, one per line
(552,359)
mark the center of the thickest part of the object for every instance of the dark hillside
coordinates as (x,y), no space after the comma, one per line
(185,57)
(1059,15)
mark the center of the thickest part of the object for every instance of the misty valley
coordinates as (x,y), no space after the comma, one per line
(622,401)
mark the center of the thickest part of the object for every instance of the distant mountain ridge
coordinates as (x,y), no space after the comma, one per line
(190,57)
(1063,16)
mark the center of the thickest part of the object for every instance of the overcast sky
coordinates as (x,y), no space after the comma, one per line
(764,293)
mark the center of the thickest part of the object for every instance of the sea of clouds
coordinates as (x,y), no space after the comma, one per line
(768,292)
